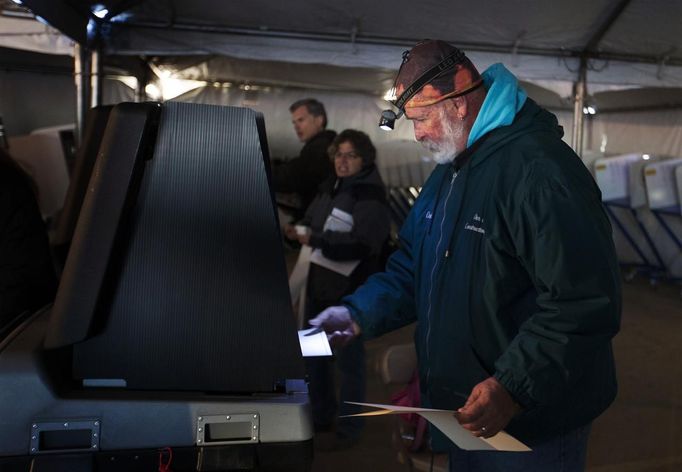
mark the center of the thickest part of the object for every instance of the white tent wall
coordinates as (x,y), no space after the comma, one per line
(344,110)
(30,100)
(653,132)
(30,35)
(400,158)
(557,72)
(114,91)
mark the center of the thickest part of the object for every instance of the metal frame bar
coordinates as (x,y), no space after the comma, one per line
(579,92)
(81,76)
(649,241)
(604,28)
(386,41)
(673,236)
(580,86)
(627,235)
(666,227)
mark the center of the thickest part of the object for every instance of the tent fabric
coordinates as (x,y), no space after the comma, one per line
(644,28)
(29,35)
(346,54)
(650,132)
(30,100)
(537,40)
(285,74)
(331,49)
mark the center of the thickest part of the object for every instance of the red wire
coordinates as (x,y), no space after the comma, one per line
(165,466)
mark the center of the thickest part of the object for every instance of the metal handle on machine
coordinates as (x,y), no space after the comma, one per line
(238,428)
(64,436)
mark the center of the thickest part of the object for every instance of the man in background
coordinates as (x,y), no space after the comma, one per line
(302,175)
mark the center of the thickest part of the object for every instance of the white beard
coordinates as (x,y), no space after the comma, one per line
(445,151)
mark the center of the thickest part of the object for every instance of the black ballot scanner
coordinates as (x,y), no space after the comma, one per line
(171,344)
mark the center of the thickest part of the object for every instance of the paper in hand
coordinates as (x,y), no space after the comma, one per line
(314,345)
(446,422)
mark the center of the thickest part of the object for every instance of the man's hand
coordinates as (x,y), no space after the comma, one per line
(338,325)
(488,409)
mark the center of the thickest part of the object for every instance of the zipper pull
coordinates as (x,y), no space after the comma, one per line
(447,253)
(454,175)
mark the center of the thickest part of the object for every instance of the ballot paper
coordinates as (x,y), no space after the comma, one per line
(445,421)
(341,221)
(314,345)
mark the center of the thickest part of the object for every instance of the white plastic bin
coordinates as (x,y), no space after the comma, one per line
(613,175)
(661,184)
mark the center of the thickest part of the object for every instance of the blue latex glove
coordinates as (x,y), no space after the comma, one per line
(337,323)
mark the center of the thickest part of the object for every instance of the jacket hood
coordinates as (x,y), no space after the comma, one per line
(503,100)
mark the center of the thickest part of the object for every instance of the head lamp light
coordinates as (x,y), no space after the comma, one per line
(387,120)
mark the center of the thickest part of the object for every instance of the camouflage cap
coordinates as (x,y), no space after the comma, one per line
(461,79)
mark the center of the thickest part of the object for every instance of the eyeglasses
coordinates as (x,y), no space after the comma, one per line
(346,155)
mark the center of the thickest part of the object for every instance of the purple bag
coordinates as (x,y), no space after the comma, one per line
(412,425)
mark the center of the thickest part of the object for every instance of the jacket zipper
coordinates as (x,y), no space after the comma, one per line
(433,271)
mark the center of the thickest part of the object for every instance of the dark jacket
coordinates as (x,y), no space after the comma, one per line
(364,197)
(27,279)
(304,174)
(509,267)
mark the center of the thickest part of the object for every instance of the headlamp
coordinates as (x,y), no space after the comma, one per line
(388,117)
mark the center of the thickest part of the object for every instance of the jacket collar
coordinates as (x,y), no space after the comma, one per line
(531,118)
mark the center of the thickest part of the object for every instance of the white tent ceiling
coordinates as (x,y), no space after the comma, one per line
(18,33)
(625,42)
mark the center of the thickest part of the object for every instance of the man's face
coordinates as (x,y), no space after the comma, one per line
(437,131)
(305,124)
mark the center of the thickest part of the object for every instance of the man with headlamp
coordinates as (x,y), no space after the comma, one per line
(506,263)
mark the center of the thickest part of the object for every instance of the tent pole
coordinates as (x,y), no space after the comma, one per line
(95,78)
(578,104)
(81,76)
(142,81)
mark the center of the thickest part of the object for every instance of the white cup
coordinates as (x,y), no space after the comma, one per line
(301,230)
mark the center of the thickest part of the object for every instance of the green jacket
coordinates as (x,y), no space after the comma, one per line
(508,266)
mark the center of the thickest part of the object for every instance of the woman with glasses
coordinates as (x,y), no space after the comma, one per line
(347,227)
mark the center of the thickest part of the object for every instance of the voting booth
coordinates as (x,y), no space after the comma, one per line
(662,187)
(664,202)
(621,181)
(172,331)
(613,178)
